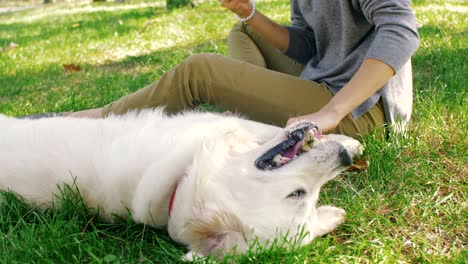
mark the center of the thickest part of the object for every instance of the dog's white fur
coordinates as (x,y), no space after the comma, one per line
(133,163)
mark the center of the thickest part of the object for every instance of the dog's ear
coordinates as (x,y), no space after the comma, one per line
(215,233)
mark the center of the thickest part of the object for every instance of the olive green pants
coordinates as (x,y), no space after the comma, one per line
(257,81)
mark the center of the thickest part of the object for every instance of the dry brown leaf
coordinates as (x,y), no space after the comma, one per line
(69,68)
(360,165)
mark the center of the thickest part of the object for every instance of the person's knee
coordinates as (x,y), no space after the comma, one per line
(198,66)
(238,30)
(238,27)
(198,60)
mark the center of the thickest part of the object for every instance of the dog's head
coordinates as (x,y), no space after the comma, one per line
(237,192)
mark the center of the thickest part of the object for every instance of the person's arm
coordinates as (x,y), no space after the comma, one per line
(273,32)
(296,41)
(395,42)
(369,78)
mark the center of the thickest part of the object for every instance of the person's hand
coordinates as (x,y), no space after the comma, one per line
(241,7)
(326,121)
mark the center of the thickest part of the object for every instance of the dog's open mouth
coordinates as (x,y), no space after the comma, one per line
(300,139)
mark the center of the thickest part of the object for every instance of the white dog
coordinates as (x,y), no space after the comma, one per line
(218,182)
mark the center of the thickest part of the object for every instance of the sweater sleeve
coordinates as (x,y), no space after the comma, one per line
(396,36)
(301,38)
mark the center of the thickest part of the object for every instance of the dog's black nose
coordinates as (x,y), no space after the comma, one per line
(345,158)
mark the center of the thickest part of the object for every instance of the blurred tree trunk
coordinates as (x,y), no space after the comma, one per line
(48,1)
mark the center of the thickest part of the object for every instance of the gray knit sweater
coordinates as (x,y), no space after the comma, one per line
(332,38)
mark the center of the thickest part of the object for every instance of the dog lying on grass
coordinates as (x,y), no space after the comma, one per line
(217,182)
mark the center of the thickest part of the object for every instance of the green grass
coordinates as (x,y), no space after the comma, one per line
(410,206)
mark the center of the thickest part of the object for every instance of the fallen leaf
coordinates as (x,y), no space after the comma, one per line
(359,165)
(69,68)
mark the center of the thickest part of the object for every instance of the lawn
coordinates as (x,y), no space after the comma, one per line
(410,206)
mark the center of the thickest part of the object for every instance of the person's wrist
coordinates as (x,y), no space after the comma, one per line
(327,121)
(334,110)
(247,13)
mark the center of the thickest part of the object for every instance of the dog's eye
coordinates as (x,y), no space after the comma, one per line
(297,194)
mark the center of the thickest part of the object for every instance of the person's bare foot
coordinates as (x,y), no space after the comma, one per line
(90,113)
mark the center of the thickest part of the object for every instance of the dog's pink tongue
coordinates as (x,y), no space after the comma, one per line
(318,134)
(291,152)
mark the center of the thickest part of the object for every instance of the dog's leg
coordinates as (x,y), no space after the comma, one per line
(328,218)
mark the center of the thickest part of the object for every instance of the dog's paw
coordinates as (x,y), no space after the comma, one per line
(328,218)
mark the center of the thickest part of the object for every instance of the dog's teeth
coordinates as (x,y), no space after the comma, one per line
(280,160)
(277,158)
(308,142)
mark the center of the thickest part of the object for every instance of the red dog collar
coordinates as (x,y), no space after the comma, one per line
(171,203)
